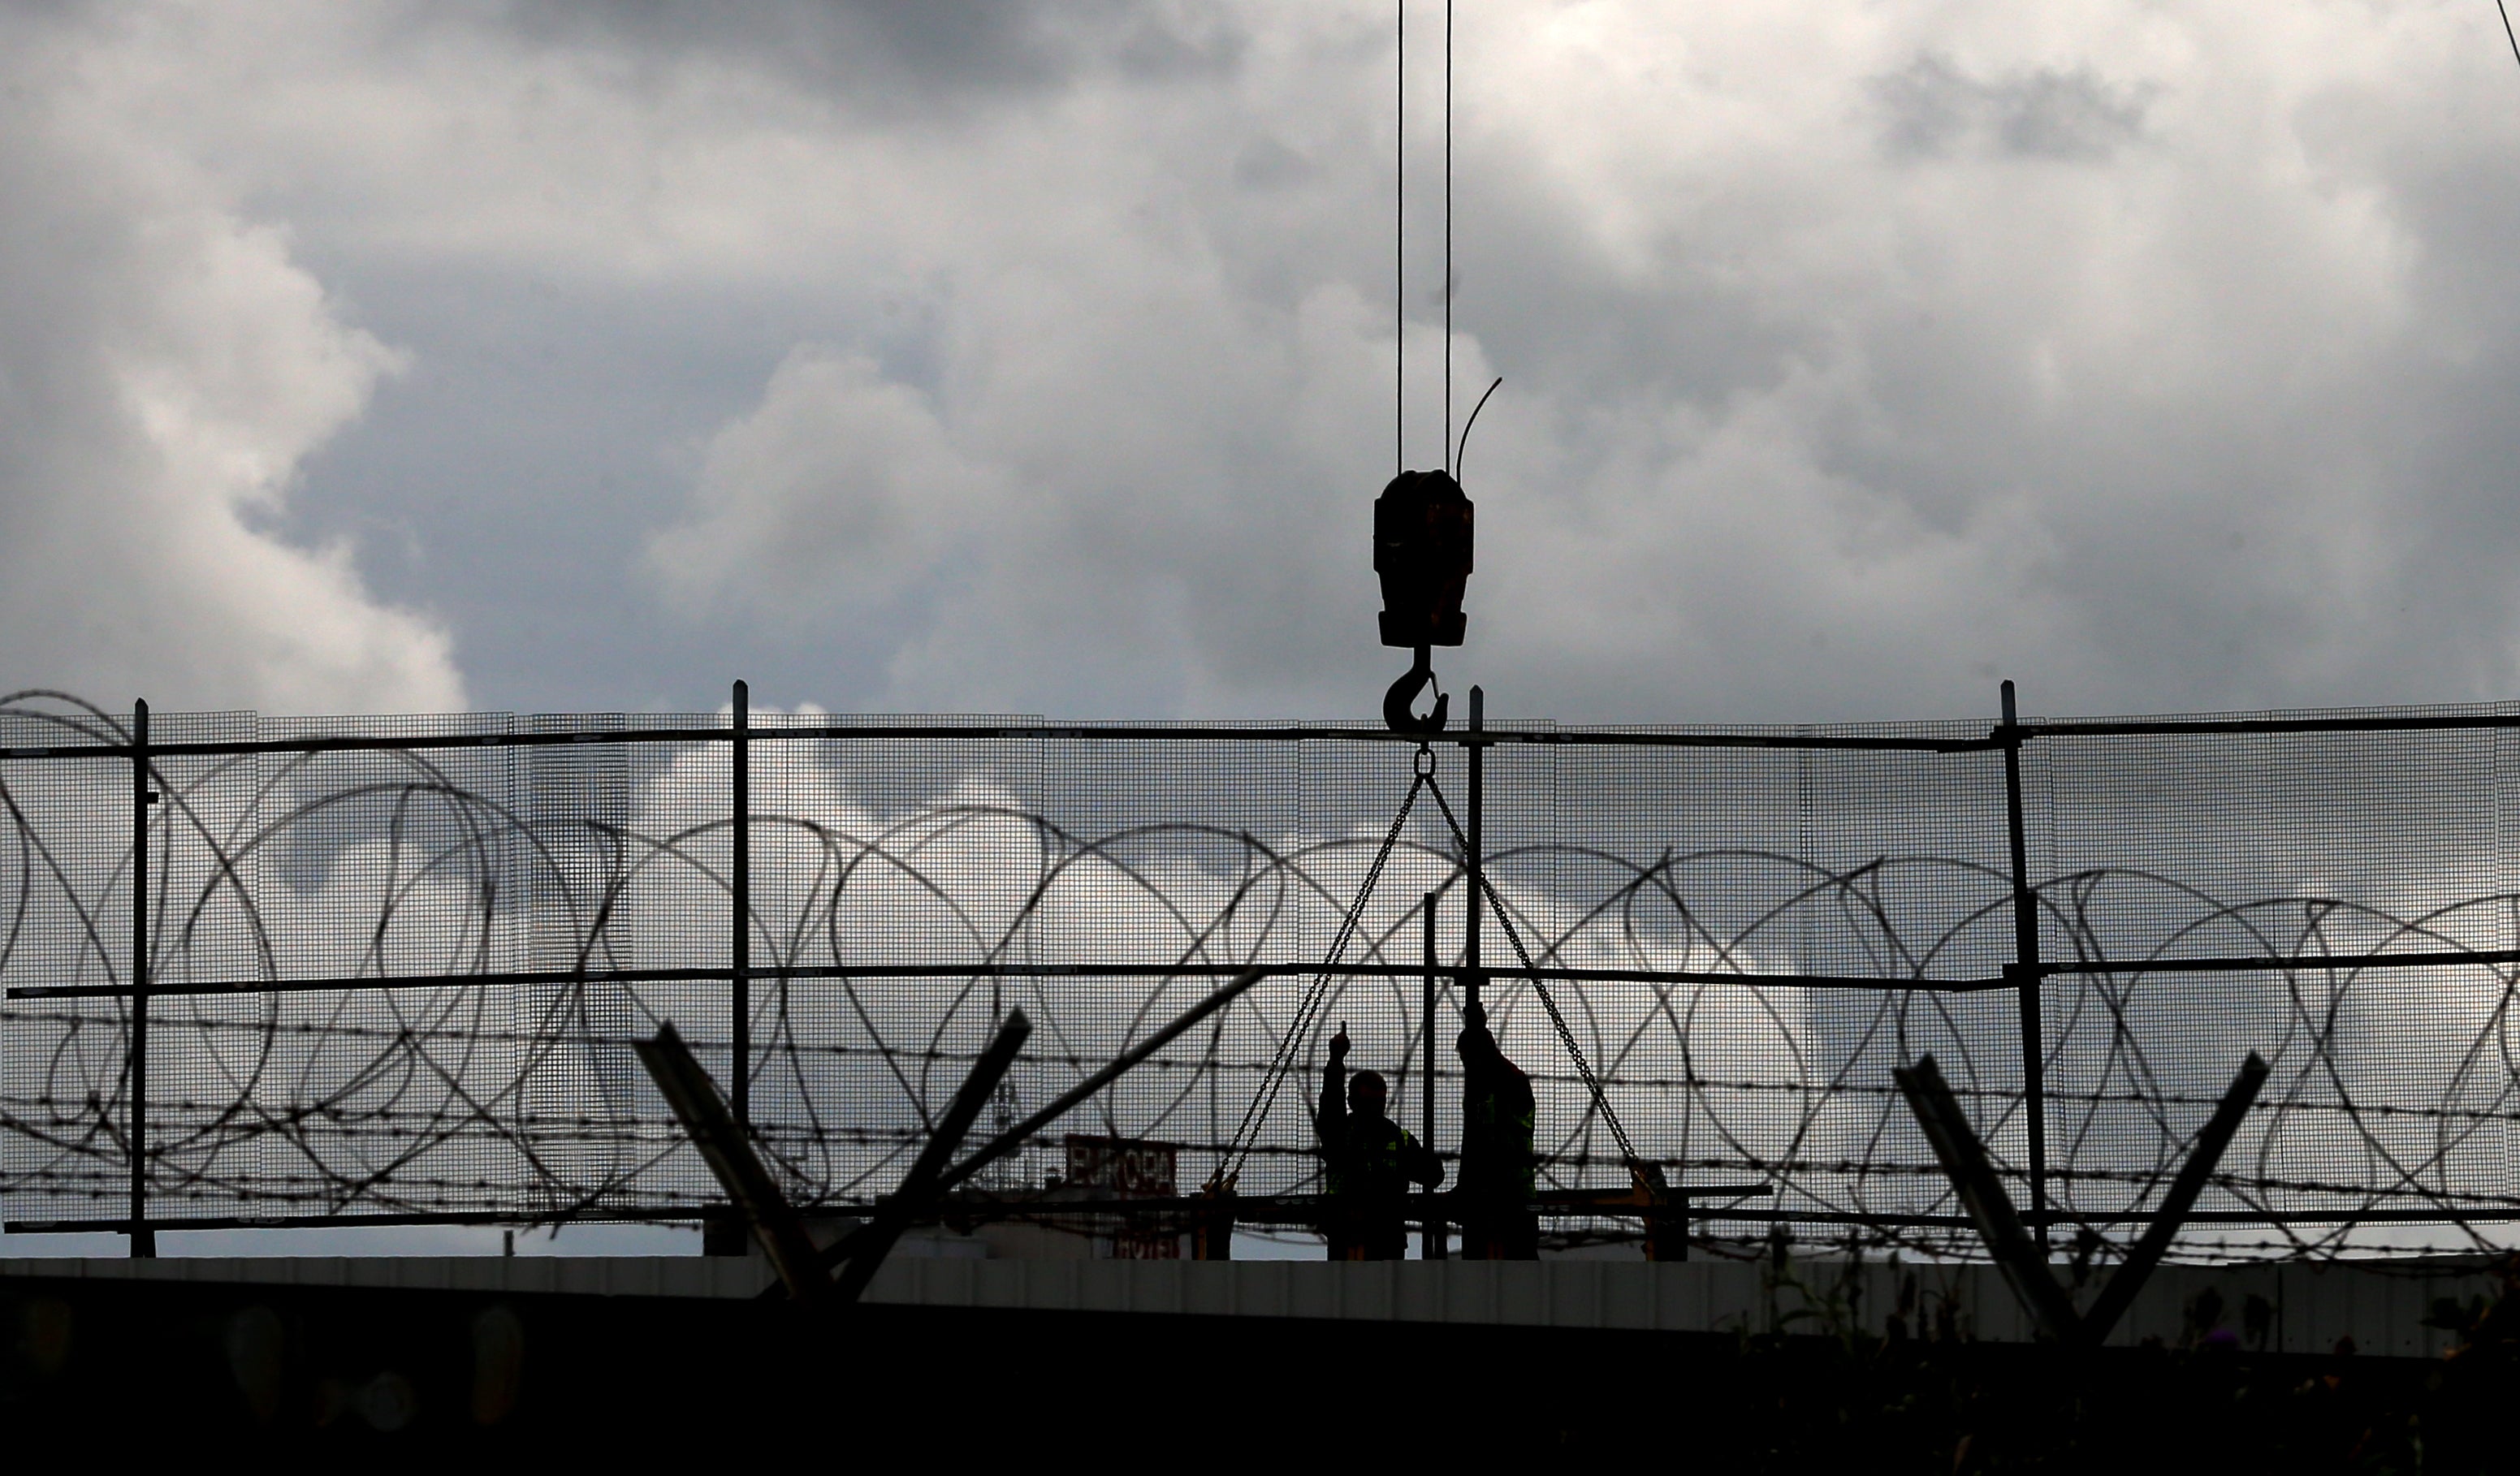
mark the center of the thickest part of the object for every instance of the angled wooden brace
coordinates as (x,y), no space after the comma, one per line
(695,1099)
(1963,1157)
(802,1270)
(868,1245)
(864,1248)
(2215,1136)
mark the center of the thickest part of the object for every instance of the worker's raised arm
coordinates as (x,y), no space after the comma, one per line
(1330,1122)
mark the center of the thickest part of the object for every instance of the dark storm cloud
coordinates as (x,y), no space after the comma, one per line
(1040,358)
(926,59)
(1931,107)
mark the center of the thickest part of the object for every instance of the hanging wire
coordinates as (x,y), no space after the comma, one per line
(2507,34)
(1465,447)
(1449,469)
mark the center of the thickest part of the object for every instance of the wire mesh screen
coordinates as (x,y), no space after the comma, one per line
(396,966)
(2346,852)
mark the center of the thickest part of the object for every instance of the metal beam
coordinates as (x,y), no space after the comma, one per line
(982,968)
(1434,1234)
(2442,958)
(989,968)
(1123,732)
(739,875)
(717,1236)
(2409,722)
(1629,1199)
(2025,972)
(1295,1211)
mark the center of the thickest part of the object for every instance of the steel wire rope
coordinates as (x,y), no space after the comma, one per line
(1237,1150)
(1556,1018)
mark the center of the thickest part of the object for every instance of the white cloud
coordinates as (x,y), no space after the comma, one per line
(1847,364)
(165,369)
(841,490)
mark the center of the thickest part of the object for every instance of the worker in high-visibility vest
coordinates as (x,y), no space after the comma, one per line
(1368,1161)
(1495,1190)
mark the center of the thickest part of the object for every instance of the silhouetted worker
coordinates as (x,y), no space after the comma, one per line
(1497,1181)
(1369,1162)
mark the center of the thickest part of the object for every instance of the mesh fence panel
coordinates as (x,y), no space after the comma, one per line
(403,978)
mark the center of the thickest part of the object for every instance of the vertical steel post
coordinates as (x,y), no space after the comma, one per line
(739,1002)
(1431,1245)
(144,1241)
(2025,973)
(722,1233)
(1474,872)
(1474,849)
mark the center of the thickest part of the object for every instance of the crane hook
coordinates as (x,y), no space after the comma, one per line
(1395,703)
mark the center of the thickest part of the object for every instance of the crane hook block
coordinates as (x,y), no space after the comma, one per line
(1422,548)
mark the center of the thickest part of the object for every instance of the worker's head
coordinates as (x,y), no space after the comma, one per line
(1368,1091)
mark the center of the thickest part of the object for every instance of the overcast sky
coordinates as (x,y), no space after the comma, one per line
(1038,358)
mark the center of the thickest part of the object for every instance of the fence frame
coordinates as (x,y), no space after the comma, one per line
(2009,736)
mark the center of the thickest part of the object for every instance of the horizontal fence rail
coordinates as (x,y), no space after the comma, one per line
(390,970)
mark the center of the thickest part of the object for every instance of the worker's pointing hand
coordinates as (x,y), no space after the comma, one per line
(1338,1043)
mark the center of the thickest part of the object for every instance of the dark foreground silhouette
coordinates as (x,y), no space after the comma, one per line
(98,1365)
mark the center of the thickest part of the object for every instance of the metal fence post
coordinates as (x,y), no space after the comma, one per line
(1474,848)
(1432,1246)
(2025,973)
(144,1241)
(740,953)
(722,1232)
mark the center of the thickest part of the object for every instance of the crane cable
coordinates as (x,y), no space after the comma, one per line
(1246,1136)
(1556,1018)
(1238,1149)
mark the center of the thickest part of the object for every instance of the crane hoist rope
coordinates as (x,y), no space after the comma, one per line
(1308,1010)
(1282,1061)
(1556,1018)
